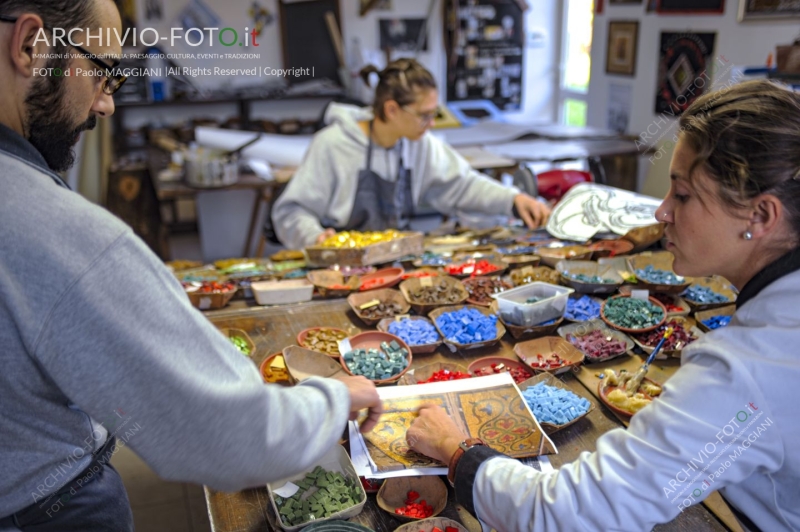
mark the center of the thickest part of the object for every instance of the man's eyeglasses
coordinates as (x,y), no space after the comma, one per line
(425,118)
(111,83)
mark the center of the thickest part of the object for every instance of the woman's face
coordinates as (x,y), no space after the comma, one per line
(414,119)
(705,237)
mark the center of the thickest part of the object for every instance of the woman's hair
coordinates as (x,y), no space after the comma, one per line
(399,81)
(747,138)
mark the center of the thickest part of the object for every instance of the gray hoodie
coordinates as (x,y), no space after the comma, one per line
(324,186)
(99,338)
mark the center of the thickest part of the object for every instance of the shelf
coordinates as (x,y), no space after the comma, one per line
(786,76)
(209,101)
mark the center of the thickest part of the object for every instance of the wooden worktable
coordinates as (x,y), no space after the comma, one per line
(272,329)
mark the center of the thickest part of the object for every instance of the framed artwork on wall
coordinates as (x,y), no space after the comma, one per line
(623,36)
(691,7)
(682,77)
(767,9)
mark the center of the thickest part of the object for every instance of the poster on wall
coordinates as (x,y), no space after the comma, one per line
(484,42)
(403,34)
(619,108)
(768,9)
(682,79)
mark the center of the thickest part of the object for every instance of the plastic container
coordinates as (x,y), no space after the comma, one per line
(282,292)
(513,307)
(335,460)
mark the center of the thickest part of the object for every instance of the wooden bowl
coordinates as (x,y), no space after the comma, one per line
(613,325)
(551,380)
(540,273)
(585,327)
(211,301)
(727,310)
(528,353)
(644,237)
(266,373)
(238,333)
(520,261)
(425,271)
(603,391)
(673,299)
(302,335)
(578,296)
(660,260)
(394,492)
(488,361)
(499,264)
(526,333)
(610,248)
(415,375)
(428,525)
(302,364)
(385,295)
(501,330)
(718,284)
(475,280)
(567,268)
(287,254)
(323,280)
(337,526)
(389,277)
(408,286)
(178,265)
(421,349)
(373,339)
(689,324)
(551,255)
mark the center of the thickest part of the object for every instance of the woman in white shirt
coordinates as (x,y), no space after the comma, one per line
(726,420)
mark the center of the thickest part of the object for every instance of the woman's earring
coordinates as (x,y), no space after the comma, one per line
(747,235)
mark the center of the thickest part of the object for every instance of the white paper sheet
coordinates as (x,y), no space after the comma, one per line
(279,150)
(540,150)
(358,449)
(589,208)
(486,132)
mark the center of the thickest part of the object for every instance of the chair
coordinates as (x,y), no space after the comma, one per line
(552,185)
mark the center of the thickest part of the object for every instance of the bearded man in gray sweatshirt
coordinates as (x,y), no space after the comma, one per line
(97,333)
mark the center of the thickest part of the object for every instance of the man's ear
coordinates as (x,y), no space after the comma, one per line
(29,44)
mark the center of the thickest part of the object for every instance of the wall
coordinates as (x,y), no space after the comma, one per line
(737,44)
(541,65)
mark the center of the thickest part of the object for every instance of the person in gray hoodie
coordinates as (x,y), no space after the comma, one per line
(100,343)
(726,420)
(370,168)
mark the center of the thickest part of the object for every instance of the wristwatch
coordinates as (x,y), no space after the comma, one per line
(462,448)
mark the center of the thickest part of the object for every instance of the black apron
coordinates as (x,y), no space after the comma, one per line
(380,204)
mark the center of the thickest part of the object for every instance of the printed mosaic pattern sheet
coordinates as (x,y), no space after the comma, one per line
(490,408)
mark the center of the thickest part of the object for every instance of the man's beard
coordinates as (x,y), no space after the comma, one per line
(48,124)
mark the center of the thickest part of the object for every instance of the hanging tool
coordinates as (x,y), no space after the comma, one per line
(633,384)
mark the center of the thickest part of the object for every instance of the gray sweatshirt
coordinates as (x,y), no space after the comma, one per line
(324,186)
(98,337)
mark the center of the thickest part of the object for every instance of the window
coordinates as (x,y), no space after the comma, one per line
(576,61)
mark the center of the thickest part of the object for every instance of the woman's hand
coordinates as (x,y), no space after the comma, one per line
(434,434)
(325,235)
(532,211)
